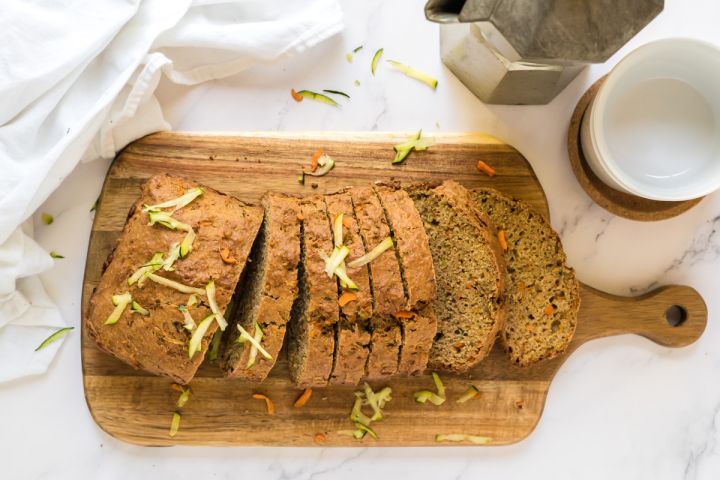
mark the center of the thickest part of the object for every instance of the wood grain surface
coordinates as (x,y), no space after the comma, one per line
(137,407)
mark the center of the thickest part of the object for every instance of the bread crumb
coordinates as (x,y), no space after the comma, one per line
(519,404)
(314,185)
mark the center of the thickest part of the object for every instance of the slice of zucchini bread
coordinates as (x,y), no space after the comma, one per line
(352,333)
(311,336)
(197,235)
(543,296)
(470,275)
(386,283)
(268,291)
(418,322)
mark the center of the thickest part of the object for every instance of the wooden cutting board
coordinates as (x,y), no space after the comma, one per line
(137,407)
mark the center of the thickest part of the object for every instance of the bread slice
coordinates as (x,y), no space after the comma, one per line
(386,282)
(268,290)
(543,296)
(418,276)
(311,341)
(157,342)
(470,275)
(352,333)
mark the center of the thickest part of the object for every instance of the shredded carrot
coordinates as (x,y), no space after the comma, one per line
(225,255)
(549,310)
(501,239)
(346,222)
(485,168)
(319,438)
(303,398)
(346,298)
(404,314)
(315,159)
(268,402)
(296,96)
(177,387)
(301,217)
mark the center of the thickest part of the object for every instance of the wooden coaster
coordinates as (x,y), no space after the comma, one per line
(620,203)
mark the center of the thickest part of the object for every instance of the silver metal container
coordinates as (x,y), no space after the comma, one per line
(525,52)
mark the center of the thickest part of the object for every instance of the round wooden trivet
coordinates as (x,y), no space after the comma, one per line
(620,203)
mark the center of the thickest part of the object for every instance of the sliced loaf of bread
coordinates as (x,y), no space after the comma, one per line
(386,282)
(418,322)
(269,288)
(470,275)
(352,333)
(543,296)
(311,341)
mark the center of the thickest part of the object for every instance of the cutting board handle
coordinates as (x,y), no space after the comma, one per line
(672,316)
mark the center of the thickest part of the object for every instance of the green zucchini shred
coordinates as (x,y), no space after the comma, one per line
(53,337)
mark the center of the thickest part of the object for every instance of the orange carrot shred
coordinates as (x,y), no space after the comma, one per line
(549,310)
(303,398)
(296,96)
(177,387)
(225,255)
(319,438)
(301,217)
(346,222)
(502,240)
(485,168)
(346,298)
(314,161)
(404,314)
(268,402)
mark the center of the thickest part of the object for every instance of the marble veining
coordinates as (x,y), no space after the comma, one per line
(620,408)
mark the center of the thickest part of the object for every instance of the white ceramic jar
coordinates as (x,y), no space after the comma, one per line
(653,129)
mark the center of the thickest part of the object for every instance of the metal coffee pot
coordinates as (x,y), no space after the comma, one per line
(525,52)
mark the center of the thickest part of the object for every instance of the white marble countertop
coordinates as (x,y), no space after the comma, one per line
(620,407)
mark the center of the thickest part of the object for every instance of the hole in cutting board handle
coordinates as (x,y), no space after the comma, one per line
(675,315)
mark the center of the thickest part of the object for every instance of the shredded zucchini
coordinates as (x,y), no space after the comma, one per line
(461,437)
(54,336)
(325,164)
(318,97)
(338,230)
(54,254)
(416,74)
(470,393)
(210,291)
(427,396)
(365,429)
(372,254)
(245,336)
(375,60)
(215,346)
(176,203)
(187,243)
(334,261)
(414,143)
(338,92)
(192,300)
(356,414)
(139,276)
(172,256)
(135,307)
(47,219)
(176,285)
(258,336)
(175,424)
(164,219)
(189,323)
(120,302)
(196,340)
(184,396)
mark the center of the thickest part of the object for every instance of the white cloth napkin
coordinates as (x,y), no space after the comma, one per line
(77,79)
